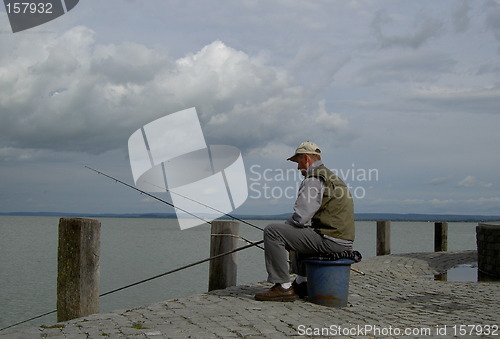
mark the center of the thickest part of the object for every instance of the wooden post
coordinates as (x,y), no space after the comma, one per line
(383,237)
(488,250)
(222,271)
(78,268)
(440,236)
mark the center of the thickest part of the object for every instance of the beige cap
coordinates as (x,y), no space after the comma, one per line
(306,147)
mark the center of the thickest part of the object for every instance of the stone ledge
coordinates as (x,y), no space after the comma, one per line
(393,294)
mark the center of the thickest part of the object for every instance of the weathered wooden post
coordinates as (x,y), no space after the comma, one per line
(222,271)
(488,250)
(383,237)
(78,268)
(440,236)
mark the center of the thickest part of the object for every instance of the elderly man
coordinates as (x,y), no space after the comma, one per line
(322,223)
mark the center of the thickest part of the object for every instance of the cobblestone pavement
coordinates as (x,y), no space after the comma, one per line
(396,298)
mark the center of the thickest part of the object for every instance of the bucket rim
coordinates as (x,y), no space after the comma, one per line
(338,262)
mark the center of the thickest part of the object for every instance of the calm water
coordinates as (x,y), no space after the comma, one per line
(135,249)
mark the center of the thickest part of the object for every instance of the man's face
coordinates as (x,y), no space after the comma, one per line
(303,163)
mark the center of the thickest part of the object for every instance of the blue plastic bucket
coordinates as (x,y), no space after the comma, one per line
(328,281)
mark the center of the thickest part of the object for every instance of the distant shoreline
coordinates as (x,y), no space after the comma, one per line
(358,216)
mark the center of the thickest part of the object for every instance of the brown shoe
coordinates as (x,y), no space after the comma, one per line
(276,293)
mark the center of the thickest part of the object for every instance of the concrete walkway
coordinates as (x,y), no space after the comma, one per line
(396,298)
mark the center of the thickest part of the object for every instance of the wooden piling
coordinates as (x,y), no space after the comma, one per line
(488,250)
(440,236)
(78,268)
(222,271)
(383,237)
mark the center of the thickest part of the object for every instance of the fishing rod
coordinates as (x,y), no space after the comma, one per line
(148,194)
(149,279)
(186,266)
(212,208)
(250,244)
(172,205)
(229,215)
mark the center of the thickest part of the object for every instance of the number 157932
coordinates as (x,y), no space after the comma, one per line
(29,7)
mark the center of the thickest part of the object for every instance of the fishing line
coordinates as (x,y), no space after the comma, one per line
(184,267)
(148,194)
(212,208)
(172,205)
(25,321)
(250,243)
(195,201)
(151,278)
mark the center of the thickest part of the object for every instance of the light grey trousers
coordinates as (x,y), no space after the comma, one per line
(281,238)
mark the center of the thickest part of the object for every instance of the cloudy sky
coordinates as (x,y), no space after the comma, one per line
(402,97)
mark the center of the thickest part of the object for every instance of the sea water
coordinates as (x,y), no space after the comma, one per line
(135,249)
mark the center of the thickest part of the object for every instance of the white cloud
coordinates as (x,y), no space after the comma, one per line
(471,181)
(406,79)
(332,122)
(77,95)
(127,63)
